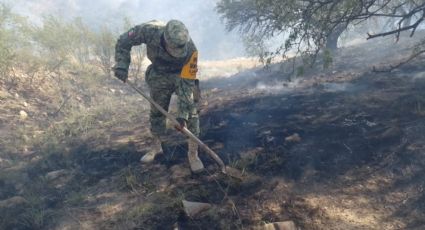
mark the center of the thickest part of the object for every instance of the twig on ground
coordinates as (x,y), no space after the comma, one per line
(348,148)
(393,67)
(62,105)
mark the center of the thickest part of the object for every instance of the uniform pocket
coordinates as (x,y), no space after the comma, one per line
(197,92)
(148,75)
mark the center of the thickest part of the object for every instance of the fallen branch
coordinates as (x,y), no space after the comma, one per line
(393,67)
(62,105)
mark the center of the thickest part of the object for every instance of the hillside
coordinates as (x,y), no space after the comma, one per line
(337,148)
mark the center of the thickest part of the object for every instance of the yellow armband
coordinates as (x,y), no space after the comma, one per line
(191,67)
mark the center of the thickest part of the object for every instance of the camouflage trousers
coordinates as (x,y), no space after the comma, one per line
(162,86)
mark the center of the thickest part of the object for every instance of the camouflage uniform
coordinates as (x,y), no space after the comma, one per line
(166,75)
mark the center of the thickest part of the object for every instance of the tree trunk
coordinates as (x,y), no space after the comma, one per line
(332,39)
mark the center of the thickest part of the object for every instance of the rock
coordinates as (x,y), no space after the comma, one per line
(59,178)
(194,208)
(293,138)
(265,133)
(23,115)
(270,139)
(25,104)
(392,132)
(26,151)
(286,225)
(35,159)
(4,95)
(12,202)
(20,188)
(176,226)
(371,124)
(251,154)
(179,171)
(4,163)
(53,175)
(162,183)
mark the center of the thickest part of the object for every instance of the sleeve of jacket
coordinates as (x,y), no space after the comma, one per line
(135,36)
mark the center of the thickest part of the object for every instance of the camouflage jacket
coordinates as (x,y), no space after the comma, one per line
(151,34)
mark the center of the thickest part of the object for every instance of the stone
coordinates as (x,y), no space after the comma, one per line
(179,171)
(4,95)
(162,183)
(194,208)
(286,225)
(12,202)
(59,178)
(4,163)
(53,175)
(293,138)
(23,115)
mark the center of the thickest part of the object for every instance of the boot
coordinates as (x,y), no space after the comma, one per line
(155,150)
(195,163)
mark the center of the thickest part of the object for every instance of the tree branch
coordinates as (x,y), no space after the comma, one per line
(393,67)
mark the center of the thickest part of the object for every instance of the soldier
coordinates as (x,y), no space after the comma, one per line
(173,70)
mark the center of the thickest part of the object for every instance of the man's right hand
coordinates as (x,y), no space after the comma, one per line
(121,74)
(182,124)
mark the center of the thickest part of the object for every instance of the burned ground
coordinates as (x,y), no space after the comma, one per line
(332,149)
(364,135)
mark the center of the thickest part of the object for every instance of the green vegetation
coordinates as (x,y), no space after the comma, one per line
(59,105)
(307,27)
(62,64)
(56,45)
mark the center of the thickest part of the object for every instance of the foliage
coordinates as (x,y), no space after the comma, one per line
(308,26)
(55,72)
(13,42)
(104,41)
(54,45)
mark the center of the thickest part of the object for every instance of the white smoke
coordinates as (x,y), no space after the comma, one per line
(203,22)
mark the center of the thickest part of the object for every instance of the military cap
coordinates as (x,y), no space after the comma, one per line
(176,37)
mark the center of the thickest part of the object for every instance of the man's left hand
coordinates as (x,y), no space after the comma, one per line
(121,74)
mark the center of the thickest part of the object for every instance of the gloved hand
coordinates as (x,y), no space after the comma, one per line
(121,74)
(182,124)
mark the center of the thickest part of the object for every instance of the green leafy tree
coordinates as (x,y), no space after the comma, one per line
(16,50)
(104,43)
(53,42)
(82,37)
(308,26)
(7,54)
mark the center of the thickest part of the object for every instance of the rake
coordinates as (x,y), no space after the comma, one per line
(224,169)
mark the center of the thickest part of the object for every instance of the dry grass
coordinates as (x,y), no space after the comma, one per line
(226,68)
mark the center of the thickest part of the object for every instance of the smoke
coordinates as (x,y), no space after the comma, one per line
(206,29)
